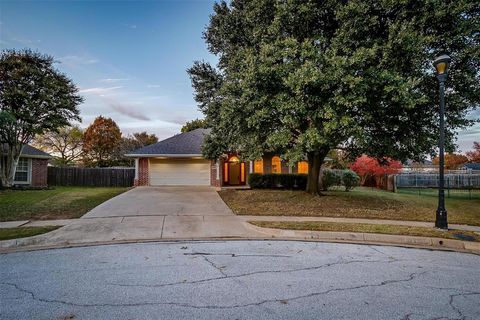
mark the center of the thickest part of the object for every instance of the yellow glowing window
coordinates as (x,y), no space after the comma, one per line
(258,166)
(242,172)
(276,165)
(302,167)
(225,172)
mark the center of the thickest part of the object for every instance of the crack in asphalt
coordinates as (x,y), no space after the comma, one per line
(411,277)
(214,266)
(456,309)
(247,274)
(236,255)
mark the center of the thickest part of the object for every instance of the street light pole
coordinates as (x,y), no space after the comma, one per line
(441,65)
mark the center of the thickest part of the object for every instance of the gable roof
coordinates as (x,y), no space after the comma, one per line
(29,152)
(183,144)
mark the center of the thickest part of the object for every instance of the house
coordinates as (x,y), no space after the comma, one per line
(32,167)
(178,160)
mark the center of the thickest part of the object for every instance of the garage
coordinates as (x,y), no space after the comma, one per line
(179,172)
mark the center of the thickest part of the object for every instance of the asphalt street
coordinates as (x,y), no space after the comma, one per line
(239,280)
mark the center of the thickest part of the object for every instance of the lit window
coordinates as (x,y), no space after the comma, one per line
(21,173)
(225,172)
(302,167)
(258,166)
(276,165)
(242,172)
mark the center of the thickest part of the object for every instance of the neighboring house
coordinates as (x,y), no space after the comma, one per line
(178,160)
(472,166)
(32,167)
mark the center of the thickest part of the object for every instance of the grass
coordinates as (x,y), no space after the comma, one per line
(370,228)
(22,232)
(58,203)
(359,203)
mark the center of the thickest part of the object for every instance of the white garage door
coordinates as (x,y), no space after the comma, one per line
(179,172)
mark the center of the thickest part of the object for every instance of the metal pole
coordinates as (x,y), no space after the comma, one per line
(441,218)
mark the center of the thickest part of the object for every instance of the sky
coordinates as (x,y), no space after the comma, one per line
(129,58)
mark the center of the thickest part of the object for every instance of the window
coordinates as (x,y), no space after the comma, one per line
(302,167)
(21,174)
(258,166)
(242,172)
(276,165)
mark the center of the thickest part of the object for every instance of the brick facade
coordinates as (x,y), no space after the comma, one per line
(142,179)
(39,172)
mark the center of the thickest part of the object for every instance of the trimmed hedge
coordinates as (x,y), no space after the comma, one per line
(295,181)
(290,181)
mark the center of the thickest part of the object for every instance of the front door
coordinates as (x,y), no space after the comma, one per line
(234,173)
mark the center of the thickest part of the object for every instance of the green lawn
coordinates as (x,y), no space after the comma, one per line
(22,232)
(58,203)
(370,228)
(359,203)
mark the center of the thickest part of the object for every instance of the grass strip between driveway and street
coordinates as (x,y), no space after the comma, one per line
(366,203)
(55,203)
(23,232)
(370,228)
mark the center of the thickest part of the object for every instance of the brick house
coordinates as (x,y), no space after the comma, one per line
(32,168)
(178,160)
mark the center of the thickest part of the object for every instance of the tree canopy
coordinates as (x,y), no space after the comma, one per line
(474,155)
(65,144)
(300,78)
(195,124)
(34,98)
(100,140)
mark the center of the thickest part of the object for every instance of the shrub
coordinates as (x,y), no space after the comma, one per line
(256,180)
(277,180)
(350,179)
(330,178)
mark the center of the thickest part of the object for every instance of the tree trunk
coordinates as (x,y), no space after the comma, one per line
(8,165)
(315,161)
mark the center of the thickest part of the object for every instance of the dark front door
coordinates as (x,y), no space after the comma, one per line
(234,173)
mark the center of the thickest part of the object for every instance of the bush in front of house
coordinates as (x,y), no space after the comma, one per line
(290,181)
(295,181)
(350,179)
(331,178)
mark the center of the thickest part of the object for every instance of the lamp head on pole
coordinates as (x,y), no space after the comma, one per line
(441,65)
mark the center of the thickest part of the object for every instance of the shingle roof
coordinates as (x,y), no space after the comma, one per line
(188,143)
(473,166)
(28,150)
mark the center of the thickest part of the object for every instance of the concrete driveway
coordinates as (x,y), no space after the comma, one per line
(149,213)
(163,201)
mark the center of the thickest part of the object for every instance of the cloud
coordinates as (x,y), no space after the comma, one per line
(77,60)
(128,111)
(110,80)
(99,90)
(153,86)
(26,41)
(131,26)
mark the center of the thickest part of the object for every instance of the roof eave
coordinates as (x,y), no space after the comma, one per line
(35,156)
(166,155)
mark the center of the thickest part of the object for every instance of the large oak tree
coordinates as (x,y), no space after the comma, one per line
(303,77)
(34,98)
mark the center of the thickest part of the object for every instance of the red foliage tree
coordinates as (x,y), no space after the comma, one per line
(367,167)
(474,156)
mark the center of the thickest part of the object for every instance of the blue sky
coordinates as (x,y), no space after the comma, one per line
(129,58)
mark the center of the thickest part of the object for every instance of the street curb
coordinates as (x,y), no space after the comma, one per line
(306,236)
(372,238)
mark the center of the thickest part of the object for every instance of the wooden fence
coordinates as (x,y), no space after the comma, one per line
(91,177)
